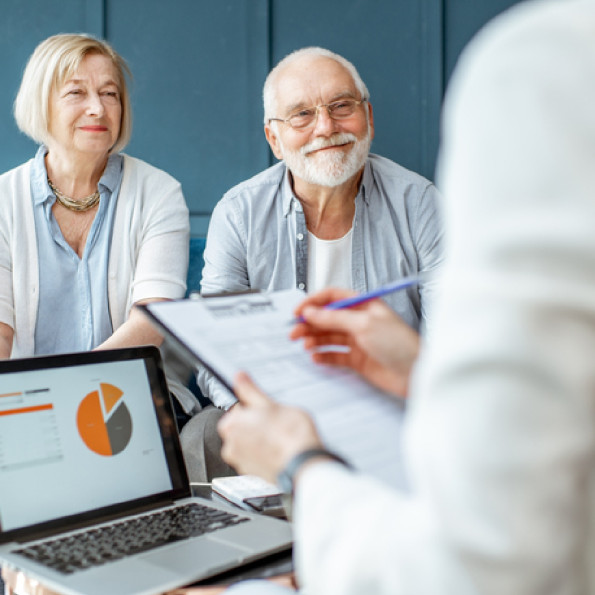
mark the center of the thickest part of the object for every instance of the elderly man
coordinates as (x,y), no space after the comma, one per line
(331,213)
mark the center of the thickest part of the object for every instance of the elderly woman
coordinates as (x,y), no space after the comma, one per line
(85,231)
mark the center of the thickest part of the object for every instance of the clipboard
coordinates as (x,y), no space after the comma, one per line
(177,344)
(250,332)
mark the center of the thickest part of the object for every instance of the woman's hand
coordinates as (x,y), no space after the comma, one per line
(17,583)
(261,436)
(137,330)
(6,337)
(374,340)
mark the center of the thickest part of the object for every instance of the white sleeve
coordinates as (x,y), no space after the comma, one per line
(6,290)
(213,389)
(354,535)
(162,261)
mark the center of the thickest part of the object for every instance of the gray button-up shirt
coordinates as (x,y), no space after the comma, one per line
(258,239)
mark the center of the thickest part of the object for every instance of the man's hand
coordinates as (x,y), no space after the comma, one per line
(261,436)
(375,341)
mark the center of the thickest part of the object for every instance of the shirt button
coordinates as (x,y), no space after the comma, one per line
(300,236)
(301,286)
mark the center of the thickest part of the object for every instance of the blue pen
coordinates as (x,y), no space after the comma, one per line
(370,295)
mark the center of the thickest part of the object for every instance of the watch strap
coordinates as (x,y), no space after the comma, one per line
(286,478)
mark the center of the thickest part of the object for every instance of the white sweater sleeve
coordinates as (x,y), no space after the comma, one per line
(149,251)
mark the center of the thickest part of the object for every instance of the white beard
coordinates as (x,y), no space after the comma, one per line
(328,168)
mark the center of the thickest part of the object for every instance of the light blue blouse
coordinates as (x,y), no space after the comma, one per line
(73,312)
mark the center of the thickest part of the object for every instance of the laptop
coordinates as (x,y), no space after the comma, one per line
(92,475)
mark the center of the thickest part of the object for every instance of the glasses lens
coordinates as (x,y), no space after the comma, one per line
(303,118)
(337,110)
(342,109)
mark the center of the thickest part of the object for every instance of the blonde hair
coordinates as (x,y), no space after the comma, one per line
(51,64)
(269,91)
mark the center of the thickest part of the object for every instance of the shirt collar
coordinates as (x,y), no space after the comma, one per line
(289,198)
(112,173)
(365,188)
(41,190)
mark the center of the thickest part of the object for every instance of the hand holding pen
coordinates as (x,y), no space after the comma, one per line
(371,339)
(355,300)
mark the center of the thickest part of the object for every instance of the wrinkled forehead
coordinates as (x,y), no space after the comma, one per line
(311,81)
(70,67)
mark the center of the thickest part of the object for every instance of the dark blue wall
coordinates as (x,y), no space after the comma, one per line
(199,66)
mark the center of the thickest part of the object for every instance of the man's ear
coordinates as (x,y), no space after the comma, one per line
(273,141)
(371,120)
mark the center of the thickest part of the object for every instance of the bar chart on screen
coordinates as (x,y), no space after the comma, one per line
(33,427)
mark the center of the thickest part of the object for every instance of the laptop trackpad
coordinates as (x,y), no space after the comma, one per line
(188,556)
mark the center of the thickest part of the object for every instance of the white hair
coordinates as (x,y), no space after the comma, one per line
(53,61)
(269,91)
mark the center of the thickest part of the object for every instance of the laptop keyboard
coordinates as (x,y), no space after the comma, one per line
(133,536)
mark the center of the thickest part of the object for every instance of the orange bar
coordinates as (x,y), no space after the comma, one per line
(11,395)
(27,409)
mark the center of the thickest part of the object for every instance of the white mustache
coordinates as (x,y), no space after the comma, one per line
(341,138)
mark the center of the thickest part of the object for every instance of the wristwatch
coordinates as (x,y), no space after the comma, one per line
(285,479)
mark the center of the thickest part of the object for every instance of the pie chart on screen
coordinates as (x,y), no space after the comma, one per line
(103,421)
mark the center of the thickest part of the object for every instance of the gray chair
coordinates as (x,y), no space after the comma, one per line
(201,446)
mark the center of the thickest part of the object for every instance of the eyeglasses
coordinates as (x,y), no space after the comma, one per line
(337,110)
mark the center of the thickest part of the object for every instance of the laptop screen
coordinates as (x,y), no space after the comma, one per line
(81,432)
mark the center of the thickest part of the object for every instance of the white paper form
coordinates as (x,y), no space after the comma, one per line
(250,332)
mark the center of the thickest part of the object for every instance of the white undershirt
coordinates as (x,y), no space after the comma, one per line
(329,262)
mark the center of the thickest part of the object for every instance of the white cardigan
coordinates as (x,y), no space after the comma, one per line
(148,254)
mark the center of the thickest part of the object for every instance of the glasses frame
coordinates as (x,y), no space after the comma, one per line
(318,108)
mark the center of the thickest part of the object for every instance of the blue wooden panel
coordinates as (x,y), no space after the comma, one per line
(463,18)
(431,81)
(389,42)
(198,68)
(95,17)
(195,265)
(23,26)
